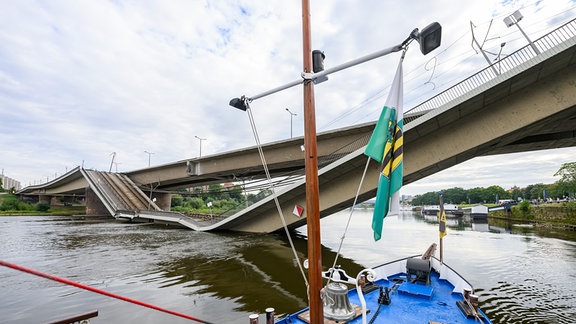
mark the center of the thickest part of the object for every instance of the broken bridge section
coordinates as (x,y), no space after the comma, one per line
(119,195)
(123,199)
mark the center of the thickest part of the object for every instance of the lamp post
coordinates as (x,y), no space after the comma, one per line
(200,139)
(291,116)
(514,19)
(149,154)
(429,39)
(112,162)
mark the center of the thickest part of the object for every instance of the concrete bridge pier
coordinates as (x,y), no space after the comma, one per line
(94,206)
(46,198)
(163,199)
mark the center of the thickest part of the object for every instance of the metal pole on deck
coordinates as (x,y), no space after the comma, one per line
(442,227)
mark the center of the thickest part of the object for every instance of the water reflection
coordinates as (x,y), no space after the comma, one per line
(522,273)
(480,226)
(170,267)
(255,275)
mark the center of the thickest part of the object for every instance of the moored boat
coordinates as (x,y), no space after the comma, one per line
(479,212)
(430,210)
(450,209)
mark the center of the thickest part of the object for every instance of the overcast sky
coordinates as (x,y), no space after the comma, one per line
(82,79)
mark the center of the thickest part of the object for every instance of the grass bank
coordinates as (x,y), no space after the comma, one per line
(52,211)
(555,215)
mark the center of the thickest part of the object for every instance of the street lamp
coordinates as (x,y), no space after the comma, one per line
(200,139)
(514,19)
(149,154)
(291,115)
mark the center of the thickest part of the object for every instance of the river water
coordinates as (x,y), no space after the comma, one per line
(522,274)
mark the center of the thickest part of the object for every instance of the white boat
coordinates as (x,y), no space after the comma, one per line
(479,212)
(430,210)
(450,209)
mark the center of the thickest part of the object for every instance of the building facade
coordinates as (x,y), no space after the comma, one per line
(9,183)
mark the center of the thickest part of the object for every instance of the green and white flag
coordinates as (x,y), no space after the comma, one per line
(386,147)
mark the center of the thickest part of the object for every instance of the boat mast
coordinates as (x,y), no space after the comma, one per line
(312,186)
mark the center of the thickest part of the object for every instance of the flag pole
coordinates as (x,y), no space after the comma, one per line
(442,227)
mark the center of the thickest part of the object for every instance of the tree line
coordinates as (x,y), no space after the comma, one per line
(562,189)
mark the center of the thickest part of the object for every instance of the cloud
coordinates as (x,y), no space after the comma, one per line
(80,80)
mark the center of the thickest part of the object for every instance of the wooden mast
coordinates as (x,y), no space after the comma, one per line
(312,186)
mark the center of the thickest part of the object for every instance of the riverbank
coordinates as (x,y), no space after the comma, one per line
(558,215)
(53,211)
(551,215)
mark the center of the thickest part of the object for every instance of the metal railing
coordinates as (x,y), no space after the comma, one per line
(523,55)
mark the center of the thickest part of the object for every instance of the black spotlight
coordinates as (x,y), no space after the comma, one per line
(318,61)
(238,103)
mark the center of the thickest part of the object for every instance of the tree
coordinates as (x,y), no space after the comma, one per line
(11,202)
(195,203)
(42,206)
(235,192)
(516,193)
(567,171)
(454,195)
(177,200)
(554,191)
(566,184)
(526,192)
(429,198)
(492,192)
(475,195)
(524,206)
(537,191)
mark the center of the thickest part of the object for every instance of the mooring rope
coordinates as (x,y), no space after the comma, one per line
(96,290)
(350,215)
(269,179)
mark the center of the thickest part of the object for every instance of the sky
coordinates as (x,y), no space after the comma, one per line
(90,82)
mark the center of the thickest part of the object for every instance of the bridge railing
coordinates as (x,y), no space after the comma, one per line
(524,54)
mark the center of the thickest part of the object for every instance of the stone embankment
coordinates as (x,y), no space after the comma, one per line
(557,215)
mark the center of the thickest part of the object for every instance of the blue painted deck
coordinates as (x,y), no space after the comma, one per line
(410,303)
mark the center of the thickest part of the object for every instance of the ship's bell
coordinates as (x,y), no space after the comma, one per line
(336,303)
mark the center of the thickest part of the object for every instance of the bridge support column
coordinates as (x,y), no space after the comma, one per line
(46,198)
(163,200)
(94,207)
